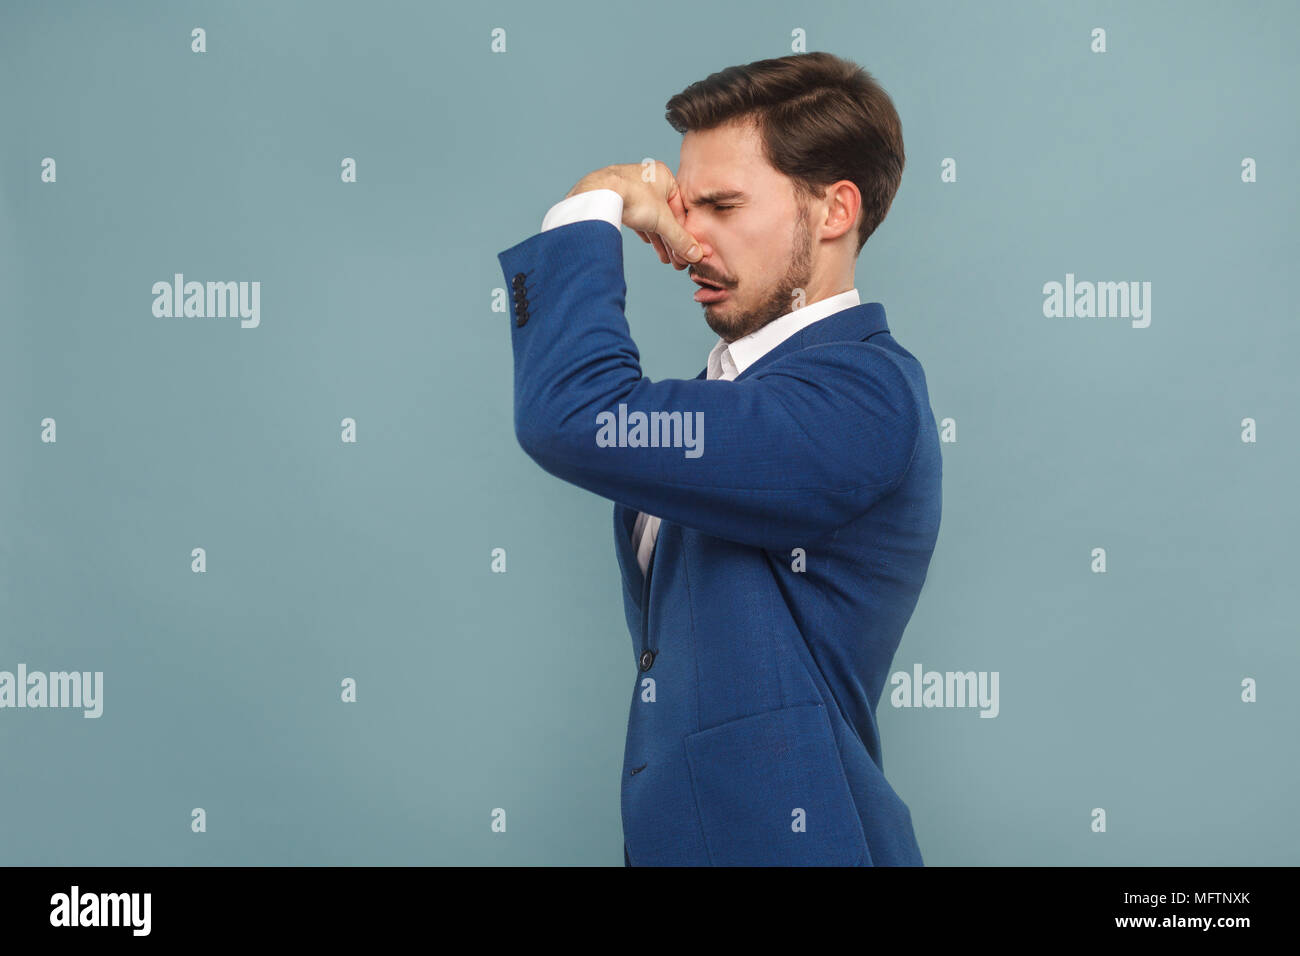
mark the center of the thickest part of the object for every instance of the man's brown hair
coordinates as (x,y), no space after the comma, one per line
(820,119)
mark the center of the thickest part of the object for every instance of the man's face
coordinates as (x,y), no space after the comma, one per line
(754,235)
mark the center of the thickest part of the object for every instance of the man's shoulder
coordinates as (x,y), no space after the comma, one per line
(876,373)
(879,353)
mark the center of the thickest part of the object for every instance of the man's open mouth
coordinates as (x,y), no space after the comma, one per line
(709,291)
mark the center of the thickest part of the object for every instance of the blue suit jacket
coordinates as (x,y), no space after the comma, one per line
(752,735)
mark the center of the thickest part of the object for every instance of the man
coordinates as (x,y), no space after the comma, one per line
(775,515)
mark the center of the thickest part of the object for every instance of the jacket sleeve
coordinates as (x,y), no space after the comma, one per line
(780,457)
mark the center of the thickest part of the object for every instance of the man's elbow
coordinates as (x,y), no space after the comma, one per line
(529,432)
(539,435)
(562,436)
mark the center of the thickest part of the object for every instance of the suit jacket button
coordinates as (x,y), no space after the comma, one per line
(518,280)
(521,303)
(523,317)
(647,659)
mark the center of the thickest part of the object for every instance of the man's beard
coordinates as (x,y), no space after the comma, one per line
(781,298)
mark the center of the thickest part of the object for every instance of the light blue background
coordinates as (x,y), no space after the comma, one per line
(479,690)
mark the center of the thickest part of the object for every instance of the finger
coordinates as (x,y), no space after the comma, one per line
(675,260)
(677,241)
(678,207)
(659,247)
(677,238)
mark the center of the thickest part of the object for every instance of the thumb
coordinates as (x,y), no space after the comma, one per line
(677,238)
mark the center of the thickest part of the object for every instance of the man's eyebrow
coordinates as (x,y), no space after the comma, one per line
(713,197)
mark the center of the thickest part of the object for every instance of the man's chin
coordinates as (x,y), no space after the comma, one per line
(723,322)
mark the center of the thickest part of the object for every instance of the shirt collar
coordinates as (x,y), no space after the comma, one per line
(744,352)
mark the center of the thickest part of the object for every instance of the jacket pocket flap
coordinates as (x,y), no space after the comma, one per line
(771,791)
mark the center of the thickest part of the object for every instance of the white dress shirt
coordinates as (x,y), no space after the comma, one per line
(725,361)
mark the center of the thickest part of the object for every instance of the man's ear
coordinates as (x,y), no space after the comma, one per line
(843,203)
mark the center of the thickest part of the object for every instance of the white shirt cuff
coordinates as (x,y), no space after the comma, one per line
(603,204)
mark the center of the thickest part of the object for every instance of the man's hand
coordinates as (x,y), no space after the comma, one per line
(652,207)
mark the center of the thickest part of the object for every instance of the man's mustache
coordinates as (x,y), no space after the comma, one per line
(708,278)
